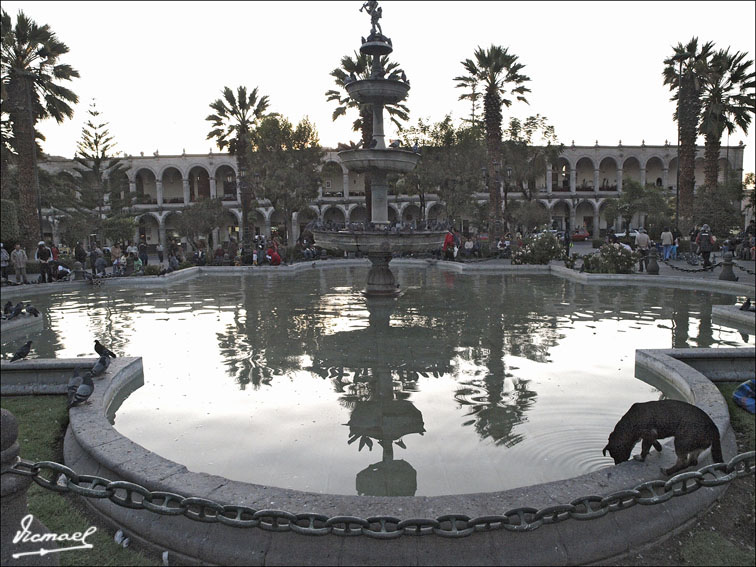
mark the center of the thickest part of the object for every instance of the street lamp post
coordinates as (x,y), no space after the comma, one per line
(244,194)
(506,190)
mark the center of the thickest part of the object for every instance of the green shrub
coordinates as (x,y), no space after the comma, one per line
(611,259)
(597,242)
(540,249)
(151,270)
(185,264)
(9,231)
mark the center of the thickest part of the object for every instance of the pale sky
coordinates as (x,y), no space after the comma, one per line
(595,67)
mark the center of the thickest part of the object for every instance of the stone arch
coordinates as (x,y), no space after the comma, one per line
(584,170)
(631,169)
(148,228)
(171,230)
(603,223)
(655,174)
(672,173)
(608,174)
(225,182)
(358,213)
(561,175)
(258,221)
(561,211)
(199,183)
(278,224)
(305,216)
(411,214)
(393,213)
(436,212)
(145,181)
(228,228)
(334,216)
(173,185)
(585,213)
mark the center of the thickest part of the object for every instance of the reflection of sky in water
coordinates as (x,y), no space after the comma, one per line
(265,379)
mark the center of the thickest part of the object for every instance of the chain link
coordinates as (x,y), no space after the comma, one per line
(60,478)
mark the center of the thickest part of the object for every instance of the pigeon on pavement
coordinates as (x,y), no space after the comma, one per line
(101,349)
(8,308)
(22,352)
(17,310)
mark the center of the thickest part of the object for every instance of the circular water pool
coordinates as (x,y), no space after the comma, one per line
(464,383)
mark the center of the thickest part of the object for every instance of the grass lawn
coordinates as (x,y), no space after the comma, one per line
(42,422)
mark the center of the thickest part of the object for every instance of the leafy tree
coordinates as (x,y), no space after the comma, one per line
(198,220)
(233,121)
(728,101)
(471,83)
(527,213)
(360,68)
(119,228)
(719,207)
(31,75)
(528,161)
(103,175)
(495,69)
(683,73)
(451,162)
(288,162)
(635,199)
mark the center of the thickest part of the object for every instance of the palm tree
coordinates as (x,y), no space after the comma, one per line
(359,67)
(728,102)
(233,121)
(471,83)
(683,72)
(31,75)
(495,69)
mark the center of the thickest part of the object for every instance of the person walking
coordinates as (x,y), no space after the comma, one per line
(4,262)
(643,244)
(18,259)
(705,242)
(667,240)
(43,256)
(159,250)
(143,253)
(80,254)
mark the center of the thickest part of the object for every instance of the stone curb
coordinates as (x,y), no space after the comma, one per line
(743,320)
(49,375)
(93,446)
(486,266)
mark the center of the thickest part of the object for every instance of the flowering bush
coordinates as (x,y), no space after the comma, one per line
(611,259)
(540,249)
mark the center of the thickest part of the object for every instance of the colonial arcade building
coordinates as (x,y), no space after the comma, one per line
(574,190)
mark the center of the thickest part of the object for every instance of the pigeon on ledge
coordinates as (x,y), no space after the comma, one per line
(83,391)
(22,352)
(102,350)
(101,365)
(31,310)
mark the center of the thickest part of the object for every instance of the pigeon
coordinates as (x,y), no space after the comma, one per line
(73,385)
(31,310)
(101,365)
(746,305)
(102,350)
(8,308)
(17,310)
(373,143)
(121,538)
(83,391)
(394,144)
(22,352)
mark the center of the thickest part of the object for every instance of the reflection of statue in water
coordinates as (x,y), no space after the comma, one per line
(375,12)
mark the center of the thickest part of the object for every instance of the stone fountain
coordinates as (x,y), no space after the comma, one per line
(378,239)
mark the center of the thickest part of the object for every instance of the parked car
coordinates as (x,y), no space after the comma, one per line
(632,233)
(579,235)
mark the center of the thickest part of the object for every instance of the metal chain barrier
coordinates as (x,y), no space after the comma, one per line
(746,270)
(696,270)
(60,478)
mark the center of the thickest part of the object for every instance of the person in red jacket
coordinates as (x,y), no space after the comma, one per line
(448,247)
(273,257)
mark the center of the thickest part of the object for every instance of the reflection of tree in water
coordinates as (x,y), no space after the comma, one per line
(497,404)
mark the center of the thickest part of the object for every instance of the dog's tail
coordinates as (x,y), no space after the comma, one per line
(716,448)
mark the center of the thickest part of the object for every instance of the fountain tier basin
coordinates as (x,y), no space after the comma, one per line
(389,160)
(380,91)
(375,242)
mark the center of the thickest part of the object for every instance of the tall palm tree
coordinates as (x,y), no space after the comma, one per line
(360,67)
(233,121)
(31,75)
(498,71)
(471,83)
(728,102)
(683,72)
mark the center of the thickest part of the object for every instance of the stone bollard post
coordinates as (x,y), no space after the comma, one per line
(652,266)
(727,273)
(78,271)
(13,505)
